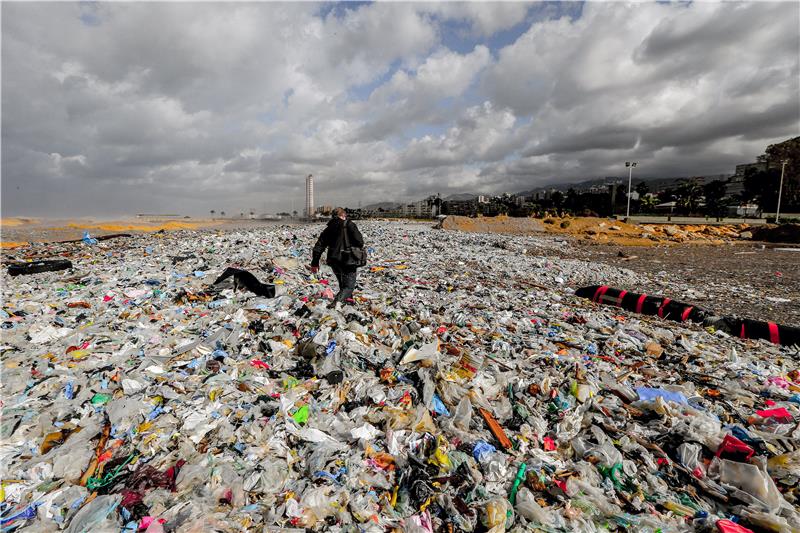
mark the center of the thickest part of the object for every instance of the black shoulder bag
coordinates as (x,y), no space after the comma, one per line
(352,255)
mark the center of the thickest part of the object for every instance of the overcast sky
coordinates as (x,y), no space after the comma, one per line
(119,108)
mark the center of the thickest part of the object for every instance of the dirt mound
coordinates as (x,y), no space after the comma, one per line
(600,230)
(15,221)
(788,233)
(501,224)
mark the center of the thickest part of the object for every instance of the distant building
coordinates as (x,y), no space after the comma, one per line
(598,189)
(309,196)
(735,186)
(744,211)
(420,209)
(460,207)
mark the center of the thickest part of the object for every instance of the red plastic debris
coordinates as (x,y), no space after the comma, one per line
(779,413)
(734,449)
(726,526)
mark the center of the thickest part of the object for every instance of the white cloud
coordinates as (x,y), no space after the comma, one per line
(409,98)
(131,106)
(484,18)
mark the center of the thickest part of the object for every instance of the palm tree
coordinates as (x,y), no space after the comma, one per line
(689,196)
(212,213)
(648,203)
(222,213)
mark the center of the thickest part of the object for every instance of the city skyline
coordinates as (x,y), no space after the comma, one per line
(232,104)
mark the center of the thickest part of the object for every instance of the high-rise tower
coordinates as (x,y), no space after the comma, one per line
(309,196)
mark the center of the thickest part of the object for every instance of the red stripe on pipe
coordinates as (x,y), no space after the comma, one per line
(774,336)
(664,303)
(640,303)
(621,296)
(599,293)
(685,313)
(742,334)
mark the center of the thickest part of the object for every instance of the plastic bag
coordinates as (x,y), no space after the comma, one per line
(752,479)
(462,417)
(94,513)
(528,508)
(498,513)
(689,455)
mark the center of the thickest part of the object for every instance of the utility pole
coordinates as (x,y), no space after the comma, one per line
(630,165)
(780,190)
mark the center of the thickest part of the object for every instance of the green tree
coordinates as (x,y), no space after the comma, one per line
(572,202)
(762,187)
(667,195)
(775,155)
(715,198)
(641,188)
(557,199)
(647,203)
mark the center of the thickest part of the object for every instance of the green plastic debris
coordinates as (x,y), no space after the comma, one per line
(301,415)
(100,399)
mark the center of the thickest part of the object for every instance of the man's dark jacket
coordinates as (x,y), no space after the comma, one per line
(332,238)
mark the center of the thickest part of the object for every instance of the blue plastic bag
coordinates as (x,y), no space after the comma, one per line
(439,407)
(87,239)
(646,394)
(482,449)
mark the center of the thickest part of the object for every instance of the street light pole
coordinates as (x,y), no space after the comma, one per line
(780,190)
(630,165)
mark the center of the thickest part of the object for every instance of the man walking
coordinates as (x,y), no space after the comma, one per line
(339,235)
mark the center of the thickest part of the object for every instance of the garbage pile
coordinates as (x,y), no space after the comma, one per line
(466,389)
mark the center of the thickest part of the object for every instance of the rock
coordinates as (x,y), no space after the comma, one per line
(671,230)
(746,235)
